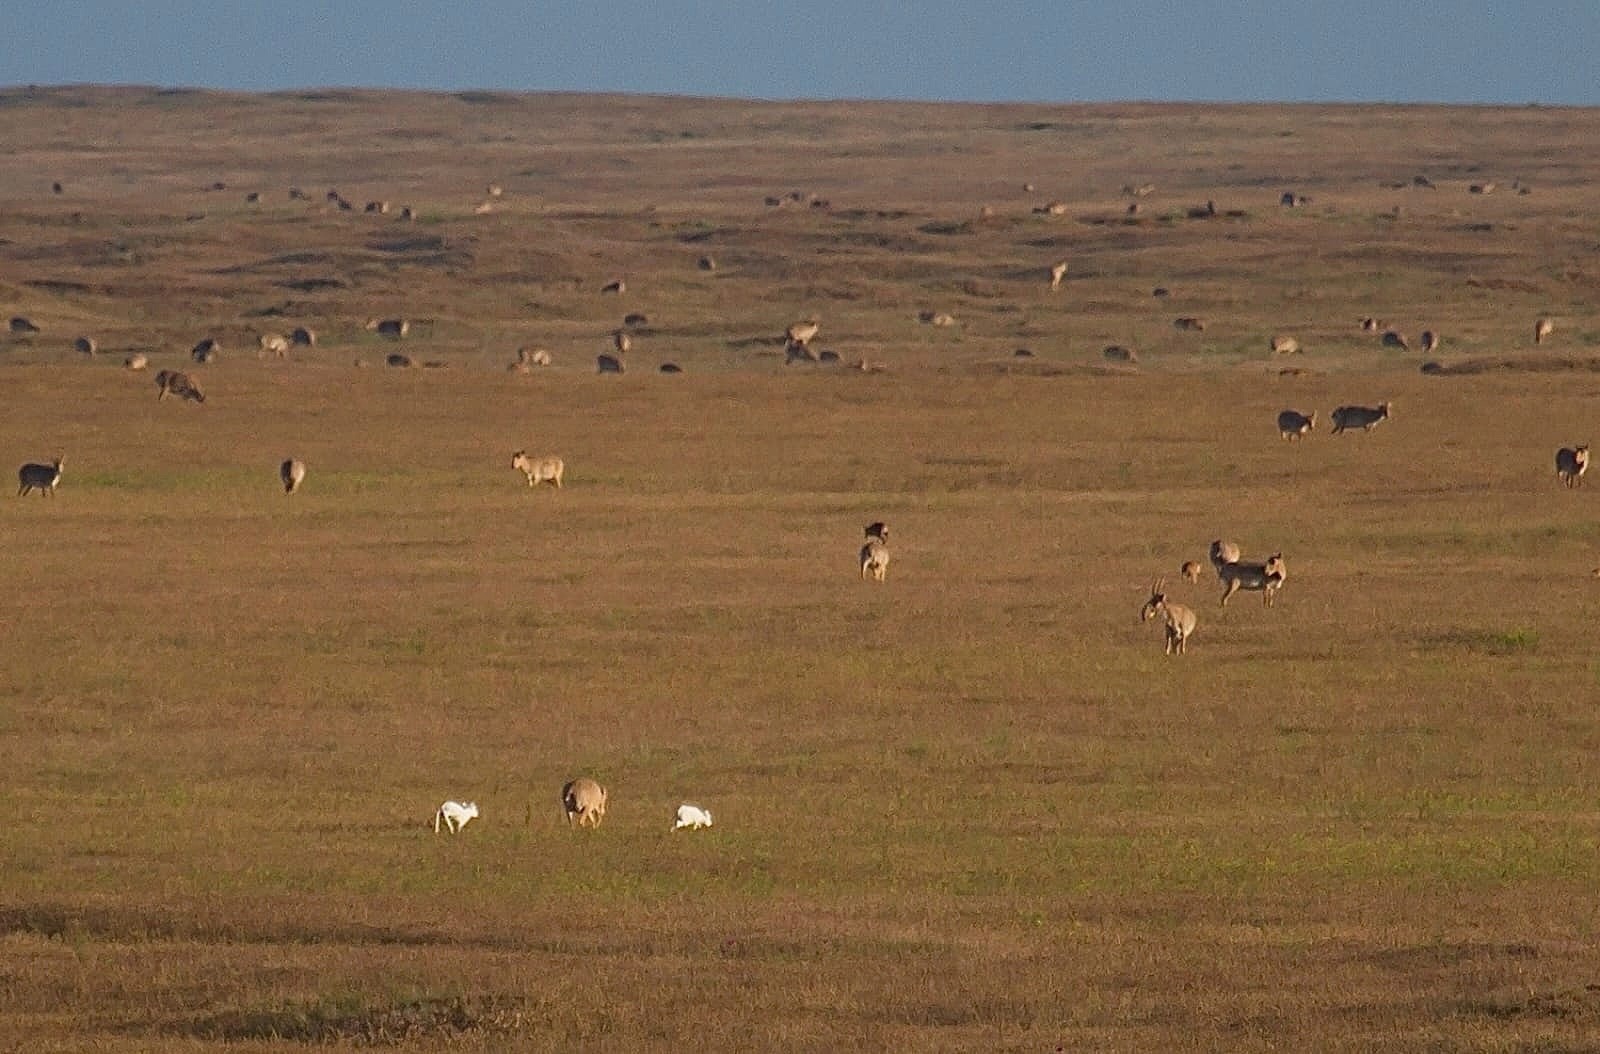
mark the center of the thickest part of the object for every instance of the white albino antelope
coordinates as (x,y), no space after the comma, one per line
(1180,621)
(43,478)
(1365,418)
(292,473)
(453,815)
(1571,464)
(539,469)
(1292,424)
(1265,578)
(692,817)
(584,799)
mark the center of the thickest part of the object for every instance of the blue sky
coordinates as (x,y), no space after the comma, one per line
(1473,51)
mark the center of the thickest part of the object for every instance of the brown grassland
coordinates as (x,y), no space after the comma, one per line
(972,808)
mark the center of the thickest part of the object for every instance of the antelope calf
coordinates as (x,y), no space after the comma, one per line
(1571,464)
(539,470)
(1292,424)
(1180,621)
(43,478)
(1190,570)
(584,799)
(292,473)
(1363,417)
(1266,578)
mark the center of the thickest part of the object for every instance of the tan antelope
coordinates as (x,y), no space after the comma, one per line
(1571,464)
(1370,325)
(1058,274)
(136,362)
(171,382)
(1118,353)
(539,470)
(616,285)
(22,324)
(303,336)
(292,473)
(1190,322)
(1283,344)
(1292,424)
(393,328)
(1223,553)
(1190,570)
(936,318)
(1267,578)
(43,478)
(1393,338)
(1363,417)
(608,364)
(85,346)
(874,559)
(1430,340)
(621,341)
(206,351)
(803,333)
(1542,329)
(531,356)
(1180,621)
(584,799)
(273,344)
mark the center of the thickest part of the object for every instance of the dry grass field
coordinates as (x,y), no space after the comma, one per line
(971,808)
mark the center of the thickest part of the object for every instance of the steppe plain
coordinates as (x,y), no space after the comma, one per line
(972,808)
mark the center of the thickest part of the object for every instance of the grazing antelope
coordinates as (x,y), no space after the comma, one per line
(1370,325)
(692,817)
(533,356)
(670,367)
(136,362)
(303,336)
(1362,417)
(1180,621)
(206,351)
(1118,353)
(293,473)
(407,213)
(1283,344)
(273,344)
(19,324)
(85,346)
(585,799)
(483,208)
(1190,570)
(1058,274)
(397,360)
(1292,424)
(1430,340)
(393,328)
(1393,338)
(608,364)
(1541,329)
(621,341)
(494,190)
(616,285)
(42,478)
(539,470)
(1267,578)
(171,382)
(936,318)
(453,815)
(706,263)
(874,559)
(1571,464)
(1190,322)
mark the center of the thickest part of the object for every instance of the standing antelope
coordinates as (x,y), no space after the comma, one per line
(1190,570)
(539,470)
(1266,578)
(172,382)
(1542,329)
(1363,417)
(874,559)
(1292,424)
(293,473)
(1180,620)
(585,799)
(1571,464)
(1058,274)
(42,478)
